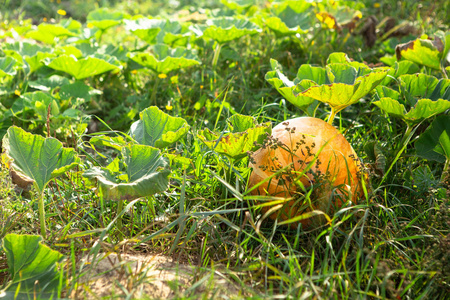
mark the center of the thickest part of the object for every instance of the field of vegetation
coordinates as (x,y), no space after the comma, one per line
(131,127)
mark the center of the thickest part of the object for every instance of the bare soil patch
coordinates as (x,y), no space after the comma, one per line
(149,276)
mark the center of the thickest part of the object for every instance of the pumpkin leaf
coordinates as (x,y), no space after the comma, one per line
(32,53)
(418,86)
(340,84)
(158,129)
(48,33)
(34,268)
(145,29)
(164,59)
(86,67)
(35,62)
(116,142)
(434,143)
(307,77)
(422,51)
(383,91)
(307,72)
(238,5)
(47,84)
(424,109)
(77,91)
(103,19)
(174,33)
(342,92)
(240,123)
(400,68)
(146,174)
(7,65)
(226,29)
(234,143)
(295,13)
(281,29)
(25,49)
(36,157)
(38,102)
(295,6)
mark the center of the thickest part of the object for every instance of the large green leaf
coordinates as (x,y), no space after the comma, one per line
(78,91)
(164,59)
(33,267)
(159,31)
(226,29)
(342,92)
(281,29)
(422,51)
(103,19)
(383,91)
(144,28)
(38,102)
(340,84)
(295,13)
(7,66)
(36,157)
(47,84)
(297,6)
(238,5)
(240,123)
(235,144)
(83,68)
(174,33)
(306,78)
(48,33)
(115,142)
(308,72)
(25,49)
(434,143)
(158,129)
(146,174)
(418,86)
(400,68)
(36,62)
(424,109)
(33,54)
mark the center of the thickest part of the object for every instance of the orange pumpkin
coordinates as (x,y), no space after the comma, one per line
(310,152)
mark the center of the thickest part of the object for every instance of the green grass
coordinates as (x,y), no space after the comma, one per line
(395,245)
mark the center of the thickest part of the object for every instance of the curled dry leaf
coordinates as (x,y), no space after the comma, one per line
(368,31)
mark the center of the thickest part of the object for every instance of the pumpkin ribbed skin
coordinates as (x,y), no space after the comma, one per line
(335,175)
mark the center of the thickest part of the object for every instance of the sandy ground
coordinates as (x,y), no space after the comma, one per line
(150,276)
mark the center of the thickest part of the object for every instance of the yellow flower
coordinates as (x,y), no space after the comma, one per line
(134,72)
(376,5)
(90,25)
(174,79)
(17,92)
(169,107)
(61,12)
(58,1)
(358,14)
(327,19)
(162,75)
(201,87)
(44,19)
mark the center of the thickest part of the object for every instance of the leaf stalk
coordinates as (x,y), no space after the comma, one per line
(42,215)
